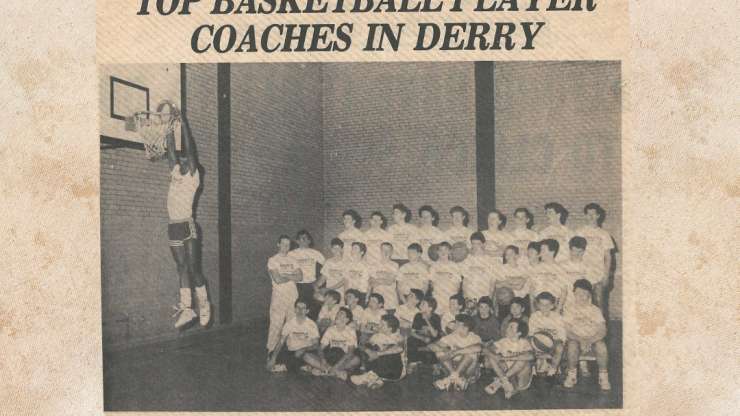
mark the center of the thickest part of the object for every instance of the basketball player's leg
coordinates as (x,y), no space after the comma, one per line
(184,312)
(192,246)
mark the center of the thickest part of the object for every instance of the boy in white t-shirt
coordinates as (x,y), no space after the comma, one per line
(308,259)
(371,317)
(586,329)
(511,359)
(458,354)
(351,233)
(414,274)
(284,272)
(408,310)
(456,305)
(599,255)
(328,310)
(575,268)
(299,335)
(478,271)
(557,215)
(444,277)
(512,275)
(403,234)
(459,231)
(352,301)
(496,238)
(383,276)
(374,237)
(333,274)
(337,349)
(428,232)
(382,355)
(549,276)
(358,274)
(522,233)
(547,319)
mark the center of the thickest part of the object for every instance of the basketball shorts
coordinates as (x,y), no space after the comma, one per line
(179,232)
(333,355)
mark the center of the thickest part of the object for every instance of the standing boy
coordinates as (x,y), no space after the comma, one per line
(599,255)
(414,274)
(308,258)
(478,271)
(333,274)
(358,274)
(549,276)
(444,277)
(284,272)
(403,234)
(557,215)
(383,276)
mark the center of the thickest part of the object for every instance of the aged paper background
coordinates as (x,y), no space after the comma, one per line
(681,193)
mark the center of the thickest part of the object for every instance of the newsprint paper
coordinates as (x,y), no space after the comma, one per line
(463,206)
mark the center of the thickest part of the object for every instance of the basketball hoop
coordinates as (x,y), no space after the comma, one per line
(155,126)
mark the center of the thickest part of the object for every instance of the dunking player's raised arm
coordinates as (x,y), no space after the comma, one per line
(188,146)
(171,156)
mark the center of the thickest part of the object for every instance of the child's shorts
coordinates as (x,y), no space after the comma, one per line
(388,367)
(288,358)
(333,355)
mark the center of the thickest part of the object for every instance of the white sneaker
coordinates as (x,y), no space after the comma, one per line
(604,381)
(583,367)
(571,379)
(494,387)
(184,315)
(443,384)
(204,312)
(279,368)
(360,379)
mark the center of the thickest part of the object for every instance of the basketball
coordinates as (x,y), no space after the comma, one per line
(433,255)
(459,252)
(543,342)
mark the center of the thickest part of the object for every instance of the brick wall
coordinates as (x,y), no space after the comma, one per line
(139,277)
(276,171)
(398,132)
(558,139)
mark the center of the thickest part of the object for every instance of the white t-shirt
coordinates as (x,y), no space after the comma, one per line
(371,320)
(574,270)
(283,264)
(357,275)
(357,316)
(385,341)
(514,277)
(456,341)
(510,348)
(405,314)
(413,276)
(373,238)
(599,243)
(307,259)
(386,269)
(349,236)
(300,334)
(457,234)
(428,236)
(521,238)
(402,236)
(328,313)
(496,242)
(446,319)
(562,235)
(549,278)
(553,324)
(583,320)
(181,194)
(336,338)
(335,270)
(478,274)
(445,278)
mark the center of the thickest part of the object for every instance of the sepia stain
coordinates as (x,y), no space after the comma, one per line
(732,190)
(83,190)
(683,74)
(650,321)
(39,239)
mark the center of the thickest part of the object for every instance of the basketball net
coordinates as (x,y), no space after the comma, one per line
(155,126)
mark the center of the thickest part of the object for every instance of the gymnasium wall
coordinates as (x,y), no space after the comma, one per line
(398,132)
(557,129)
(139,278)
(276,169)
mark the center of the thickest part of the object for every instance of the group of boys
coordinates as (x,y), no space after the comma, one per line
(369,313)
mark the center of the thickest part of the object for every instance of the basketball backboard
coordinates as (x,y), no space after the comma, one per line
(126,89)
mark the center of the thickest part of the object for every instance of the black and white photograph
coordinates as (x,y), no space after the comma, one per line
(361,236)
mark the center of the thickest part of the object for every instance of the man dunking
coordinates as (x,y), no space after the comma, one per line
(182,232)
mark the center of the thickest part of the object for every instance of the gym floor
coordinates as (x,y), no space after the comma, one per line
(225,371)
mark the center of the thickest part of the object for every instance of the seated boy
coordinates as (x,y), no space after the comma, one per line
(300,335)
(371,317)
(458,354)
(337,348)
(425,330)
(486,325)
(352,301)
(381,357)
(516,311)
(511,359)
(586,329)
(408,310)
(547,319)
(328,310)
(448,317)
